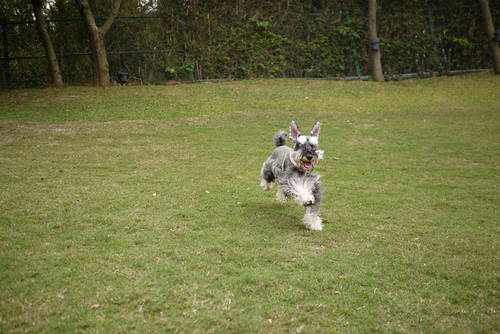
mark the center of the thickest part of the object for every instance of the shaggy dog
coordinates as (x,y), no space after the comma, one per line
(292,168)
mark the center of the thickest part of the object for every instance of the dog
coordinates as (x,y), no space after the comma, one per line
(292,168)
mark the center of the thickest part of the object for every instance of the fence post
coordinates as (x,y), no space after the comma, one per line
(6,59)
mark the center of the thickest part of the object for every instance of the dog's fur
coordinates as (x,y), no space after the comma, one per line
(292,168)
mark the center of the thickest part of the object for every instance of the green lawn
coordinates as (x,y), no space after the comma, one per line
(138,209)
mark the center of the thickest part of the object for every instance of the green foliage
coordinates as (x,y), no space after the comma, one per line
(177,72)
(257,39)
(256,51)
(329,51)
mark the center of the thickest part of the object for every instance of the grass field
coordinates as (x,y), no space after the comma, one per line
(138,209)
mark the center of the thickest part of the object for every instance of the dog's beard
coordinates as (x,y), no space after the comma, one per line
(303,164)
(307,166)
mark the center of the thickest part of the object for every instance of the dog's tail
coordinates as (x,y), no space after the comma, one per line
(280,138)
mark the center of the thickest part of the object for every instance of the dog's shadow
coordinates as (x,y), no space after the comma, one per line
(271,213)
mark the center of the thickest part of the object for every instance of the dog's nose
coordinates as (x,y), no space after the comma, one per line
(309,157)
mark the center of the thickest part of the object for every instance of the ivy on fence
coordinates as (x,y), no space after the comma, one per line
(234,42)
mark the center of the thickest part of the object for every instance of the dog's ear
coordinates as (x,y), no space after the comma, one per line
(315,130)
(294,131)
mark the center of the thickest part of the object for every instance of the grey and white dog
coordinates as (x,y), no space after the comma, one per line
(292,168)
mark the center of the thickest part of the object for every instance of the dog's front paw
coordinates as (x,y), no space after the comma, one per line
(312,222)
(316,227)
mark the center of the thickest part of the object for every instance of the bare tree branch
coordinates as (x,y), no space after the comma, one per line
(111,17)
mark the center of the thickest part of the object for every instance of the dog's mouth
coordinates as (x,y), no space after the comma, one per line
(307,164)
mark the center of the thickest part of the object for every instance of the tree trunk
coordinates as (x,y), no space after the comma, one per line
(100,65)
(375,64)
(55,72)
(490,33)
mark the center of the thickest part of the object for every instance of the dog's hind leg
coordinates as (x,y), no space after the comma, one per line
(266,176)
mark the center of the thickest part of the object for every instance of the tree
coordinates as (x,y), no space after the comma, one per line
(490,33)
(375,64)
(55,72)
(100,65)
